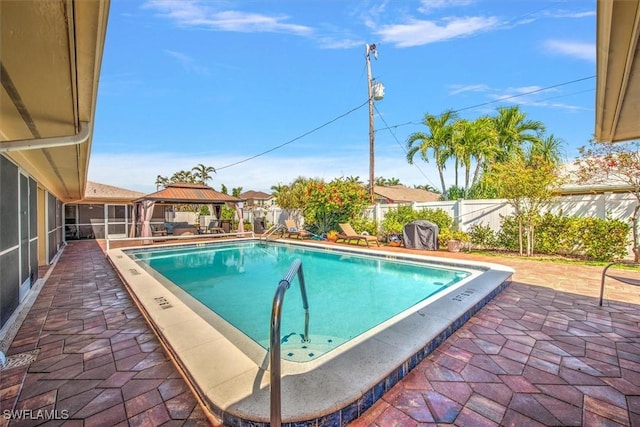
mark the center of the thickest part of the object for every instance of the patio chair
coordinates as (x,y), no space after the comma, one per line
(214,227)
(294,231)
(349,235)
(623,279)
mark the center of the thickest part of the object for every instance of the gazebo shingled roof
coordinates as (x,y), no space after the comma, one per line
(189,193)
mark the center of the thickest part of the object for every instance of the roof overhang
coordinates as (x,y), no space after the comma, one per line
(188,193)
(51,58)
(618,70)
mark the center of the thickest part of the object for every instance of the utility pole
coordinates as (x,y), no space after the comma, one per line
(375,92)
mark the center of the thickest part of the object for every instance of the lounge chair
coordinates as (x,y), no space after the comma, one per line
(294,231)
(349,235)
(214,227)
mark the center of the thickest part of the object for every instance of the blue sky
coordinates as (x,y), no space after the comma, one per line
(221,82)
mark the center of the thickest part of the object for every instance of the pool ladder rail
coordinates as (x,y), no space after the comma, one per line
(274,344)
(272,230)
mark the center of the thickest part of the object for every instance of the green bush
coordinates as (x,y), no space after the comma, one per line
(591,238)
(483,236)
(365,224)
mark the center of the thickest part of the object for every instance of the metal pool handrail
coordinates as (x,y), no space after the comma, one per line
(271,231)
(274,352)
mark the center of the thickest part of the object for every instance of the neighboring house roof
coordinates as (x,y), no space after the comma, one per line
(102,192)
(402,194)
(190,193)
(597,184)
(255,195)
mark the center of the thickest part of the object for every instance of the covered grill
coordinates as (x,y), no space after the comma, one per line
(420,234)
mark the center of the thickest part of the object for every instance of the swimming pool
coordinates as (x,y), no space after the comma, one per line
(349,294)
(351,360)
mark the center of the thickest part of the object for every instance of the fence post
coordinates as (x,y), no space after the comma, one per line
(602,206)
(458,208)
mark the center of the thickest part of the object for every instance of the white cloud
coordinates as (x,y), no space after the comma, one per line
(456,89)
(427,6)
(420,32)
(187,62)
(198,14)
(569,14)
(584,51)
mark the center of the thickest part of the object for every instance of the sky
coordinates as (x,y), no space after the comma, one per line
(267,91)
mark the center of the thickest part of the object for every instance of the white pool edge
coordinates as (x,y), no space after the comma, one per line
(235,387)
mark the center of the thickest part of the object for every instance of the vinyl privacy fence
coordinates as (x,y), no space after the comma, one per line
(467,213)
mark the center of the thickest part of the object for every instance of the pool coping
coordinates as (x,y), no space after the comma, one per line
(235,386)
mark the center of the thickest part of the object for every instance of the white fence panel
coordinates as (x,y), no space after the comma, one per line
(467,213)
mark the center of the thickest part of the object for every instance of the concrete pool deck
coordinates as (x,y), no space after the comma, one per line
(542,352)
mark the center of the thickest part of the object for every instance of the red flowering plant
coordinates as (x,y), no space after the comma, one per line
(616,164)
(328,204)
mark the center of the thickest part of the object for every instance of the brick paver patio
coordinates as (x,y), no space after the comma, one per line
(541,353)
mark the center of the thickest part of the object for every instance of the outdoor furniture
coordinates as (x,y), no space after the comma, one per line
(349,235)
(421,234)
(623,279)
(182,231)
(293,231)
(214,228)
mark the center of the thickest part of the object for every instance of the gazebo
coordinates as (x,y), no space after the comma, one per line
(181,193)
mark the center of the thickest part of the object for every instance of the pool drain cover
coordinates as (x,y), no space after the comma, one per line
(20,359)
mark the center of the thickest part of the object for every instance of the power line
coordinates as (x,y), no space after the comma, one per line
(402,146)
(297,137)
(398,125)
(412,122)
(522,94)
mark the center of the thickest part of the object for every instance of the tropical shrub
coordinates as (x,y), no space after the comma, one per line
(482,236)
(329,204)
(556,234)
(365,224)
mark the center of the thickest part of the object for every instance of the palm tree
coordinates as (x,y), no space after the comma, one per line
(438,141)
(513,131)
(474,142)
(354,179)
(549,149)
(379,181)
(427,187)
(161,181)
(183,176)
(202,173)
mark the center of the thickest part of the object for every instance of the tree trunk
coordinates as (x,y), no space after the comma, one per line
(520,234)
(634,233)
(441,173)
(456,175)
(467,176)
(476,174)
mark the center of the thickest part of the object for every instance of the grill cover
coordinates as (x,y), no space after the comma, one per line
(420,234)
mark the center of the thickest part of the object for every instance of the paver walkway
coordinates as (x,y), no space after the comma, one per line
(541,353)
(97,360)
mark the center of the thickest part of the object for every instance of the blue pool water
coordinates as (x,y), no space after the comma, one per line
(348,293)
